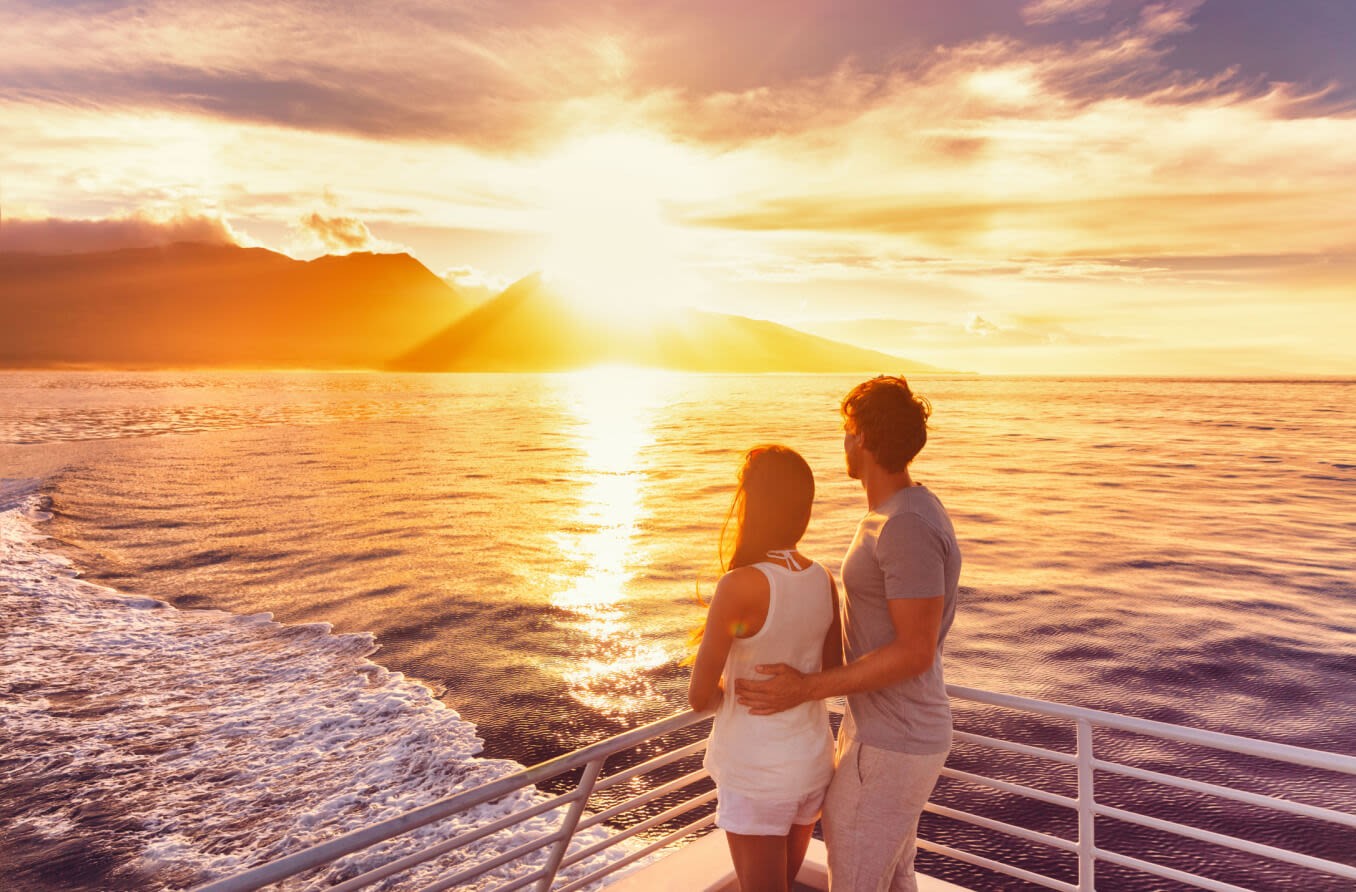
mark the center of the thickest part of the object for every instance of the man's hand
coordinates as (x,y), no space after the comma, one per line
(786,688)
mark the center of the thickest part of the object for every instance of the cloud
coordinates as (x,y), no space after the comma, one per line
(137,230)
(1029,333)
(808,265)
(516,77)
(980,326)
(1132,225)
(960,103)
(480,75)
(973,337)
(473,284)
(1043,12)
(1096,142)
(339,234)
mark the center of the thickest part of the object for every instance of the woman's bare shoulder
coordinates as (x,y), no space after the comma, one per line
(743,583)
(743,596)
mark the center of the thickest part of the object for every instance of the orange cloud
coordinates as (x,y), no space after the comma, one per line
(1129,225)
(339,234)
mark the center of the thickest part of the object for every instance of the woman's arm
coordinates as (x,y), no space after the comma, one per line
(833,639)
(734,607)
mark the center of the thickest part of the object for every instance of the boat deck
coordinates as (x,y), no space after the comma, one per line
(704,866)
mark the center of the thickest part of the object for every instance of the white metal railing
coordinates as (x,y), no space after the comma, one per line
(592,760)
(1089,809)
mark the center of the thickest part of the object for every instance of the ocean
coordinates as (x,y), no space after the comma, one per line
(243,611)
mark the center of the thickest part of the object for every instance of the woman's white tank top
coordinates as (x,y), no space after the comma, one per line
(790,754)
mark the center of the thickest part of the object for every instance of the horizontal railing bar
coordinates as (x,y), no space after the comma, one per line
(420,857)
(1248,746)
(1030,792)
(484,867)
(1010,746)
(657,762)
(637,855)
(1258,799)
(1055,842)
(681,808)
(325,852)
(996,866)
(1167,873)
(676,784)
(1232,842)
(519,883)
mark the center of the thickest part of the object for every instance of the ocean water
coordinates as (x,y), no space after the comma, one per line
(385,588)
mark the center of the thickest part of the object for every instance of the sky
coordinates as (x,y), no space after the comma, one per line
(1003,186)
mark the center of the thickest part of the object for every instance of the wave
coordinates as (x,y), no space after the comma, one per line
(148,747)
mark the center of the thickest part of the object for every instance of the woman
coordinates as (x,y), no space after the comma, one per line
(773,605)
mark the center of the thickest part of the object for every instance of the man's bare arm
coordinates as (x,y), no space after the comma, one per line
(917,623)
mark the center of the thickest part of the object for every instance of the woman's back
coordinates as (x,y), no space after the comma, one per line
(789,754)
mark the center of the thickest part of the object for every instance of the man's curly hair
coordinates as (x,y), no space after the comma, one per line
(891,419)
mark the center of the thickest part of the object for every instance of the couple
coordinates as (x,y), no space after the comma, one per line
(776,643)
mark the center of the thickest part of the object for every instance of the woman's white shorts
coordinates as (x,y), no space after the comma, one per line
(736,813)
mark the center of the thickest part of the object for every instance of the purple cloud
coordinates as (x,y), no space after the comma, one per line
(140,230)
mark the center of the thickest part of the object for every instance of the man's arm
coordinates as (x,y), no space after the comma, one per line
(917,623)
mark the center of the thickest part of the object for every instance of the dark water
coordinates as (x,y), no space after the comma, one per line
(527,546)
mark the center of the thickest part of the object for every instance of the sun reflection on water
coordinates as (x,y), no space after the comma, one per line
(615,409)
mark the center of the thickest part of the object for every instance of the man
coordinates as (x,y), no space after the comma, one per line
(900,578)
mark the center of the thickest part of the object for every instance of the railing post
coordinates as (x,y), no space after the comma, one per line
(591,771)
(1087,863)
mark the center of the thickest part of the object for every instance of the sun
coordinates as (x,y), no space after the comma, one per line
(610,246)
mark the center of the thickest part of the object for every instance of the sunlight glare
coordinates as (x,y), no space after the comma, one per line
(611,247)
(1011,85)
(615,409)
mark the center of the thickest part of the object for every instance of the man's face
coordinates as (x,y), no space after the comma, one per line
(852,451)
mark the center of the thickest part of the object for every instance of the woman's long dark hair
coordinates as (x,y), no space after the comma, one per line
(771,506)
(770,510)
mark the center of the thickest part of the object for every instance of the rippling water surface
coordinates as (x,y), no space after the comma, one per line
(528,547)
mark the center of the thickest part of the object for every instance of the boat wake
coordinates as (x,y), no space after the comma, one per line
(147,747)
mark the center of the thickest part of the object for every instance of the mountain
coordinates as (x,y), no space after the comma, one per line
(203,305)
(531,328)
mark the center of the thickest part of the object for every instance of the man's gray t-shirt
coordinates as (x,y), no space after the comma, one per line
(905,548)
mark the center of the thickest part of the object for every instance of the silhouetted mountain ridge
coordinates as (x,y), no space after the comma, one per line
(196,305)
(532,328)
(192,305)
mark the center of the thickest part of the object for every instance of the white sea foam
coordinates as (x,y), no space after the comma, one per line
(178,746)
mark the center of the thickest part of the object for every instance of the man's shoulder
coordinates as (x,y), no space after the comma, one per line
(914,527)
(919,505)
